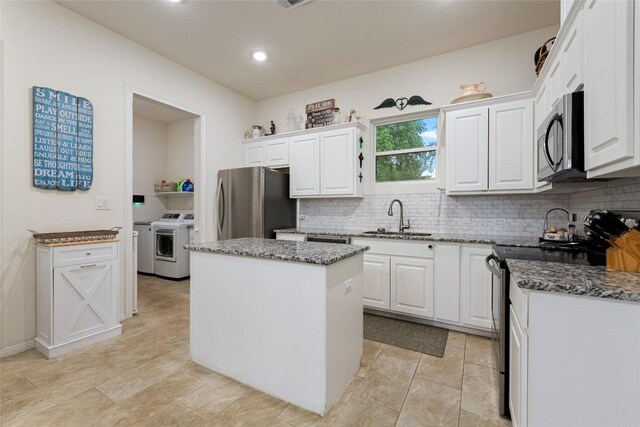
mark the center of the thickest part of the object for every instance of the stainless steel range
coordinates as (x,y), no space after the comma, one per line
(500,328)
(569,253)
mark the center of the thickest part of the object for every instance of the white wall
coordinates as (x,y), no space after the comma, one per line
(179,147)
(180,160)
(506,66)
(149,166)
(48,45)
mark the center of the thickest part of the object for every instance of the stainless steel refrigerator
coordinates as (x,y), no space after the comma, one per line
(252,202)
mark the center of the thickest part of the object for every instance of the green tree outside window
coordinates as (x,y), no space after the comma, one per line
(406,151)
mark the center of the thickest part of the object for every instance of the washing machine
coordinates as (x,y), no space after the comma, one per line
(146,246)
(171,235)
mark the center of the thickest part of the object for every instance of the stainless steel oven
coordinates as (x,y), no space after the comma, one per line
(500,327)
(560,140)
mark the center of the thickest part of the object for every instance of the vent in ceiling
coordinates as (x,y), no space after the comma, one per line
(290,4)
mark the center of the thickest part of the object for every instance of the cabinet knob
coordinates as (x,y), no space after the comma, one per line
(430,246)
(88,253)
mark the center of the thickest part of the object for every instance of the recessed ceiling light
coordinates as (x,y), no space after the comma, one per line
(259,55)
(175,1)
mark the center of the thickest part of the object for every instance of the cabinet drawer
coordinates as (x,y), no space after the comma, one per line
(83,254)
(397,247)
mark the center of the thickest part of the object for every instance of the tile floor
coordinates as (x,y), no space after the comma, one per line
(144,377)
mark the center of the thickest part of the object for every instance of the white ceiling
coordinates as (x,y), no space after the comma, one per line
(313,44)
(158,112)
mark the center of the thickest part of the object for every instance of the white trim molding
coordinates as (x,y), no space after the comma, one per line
(15,349)
(401,187)
(200,173)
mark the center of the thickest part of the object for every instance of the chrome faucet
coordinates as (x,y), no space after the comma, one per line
(402,225)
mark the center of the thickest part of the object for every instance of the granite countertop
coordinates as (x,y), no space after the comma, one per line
(593,281)
(281,250)
(521,241)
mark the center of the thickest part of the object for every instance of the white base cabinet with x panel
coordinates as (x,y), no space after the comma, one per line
(77,296)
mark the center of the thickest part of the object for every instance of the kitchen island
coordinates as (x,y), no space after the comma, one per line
(574,340)
(283,317)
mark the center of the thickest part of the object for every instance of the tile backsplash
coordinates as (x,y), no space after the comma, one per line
(521,215)
(618,194)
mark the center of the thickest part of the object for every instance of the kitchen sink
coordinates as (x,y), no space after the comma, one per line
(397,233)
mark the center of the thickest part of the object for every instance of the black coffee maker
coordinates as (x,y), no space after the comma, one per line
(603,225)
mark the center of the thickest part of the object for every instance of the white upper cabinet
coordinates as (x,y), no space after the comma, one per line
(571,56)
(304,158)
(608,84)
(277,152)
(490,148)
(467,139)
(511,146)
(540,105)
(337,160)
(326,162)
(554,82)
(254,154)
(565,7)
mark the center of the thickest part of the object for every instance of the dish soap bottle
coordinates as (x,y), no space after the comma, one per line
(187,186)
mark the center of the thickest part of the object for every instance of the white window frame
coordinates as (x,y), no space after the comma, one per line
(415,186)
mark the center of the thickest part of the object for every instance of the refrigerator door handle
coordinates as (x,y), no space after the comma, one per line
(220,197)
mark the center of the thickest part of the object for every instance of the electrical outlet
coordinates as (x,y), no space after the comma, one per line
(347,286)
(500,221)
(103,203)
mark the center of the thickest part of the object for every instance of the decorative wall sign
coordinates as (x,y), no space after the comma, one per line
(401,103)
(321,113)
(62,140)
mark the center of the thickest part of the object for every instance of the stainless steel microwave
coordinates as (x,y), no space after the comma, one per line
(561,141)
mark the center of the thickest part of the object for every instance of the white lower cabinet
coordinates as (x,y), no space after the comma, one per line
(475,287)
(77,296)
(445,282)
(84,300)
(573,360)
(412,286)
(517,371)
(376,281)
(446,293)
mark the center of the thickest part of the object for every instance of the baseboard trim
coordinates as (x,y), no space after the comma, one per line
(15,349)
(55,351)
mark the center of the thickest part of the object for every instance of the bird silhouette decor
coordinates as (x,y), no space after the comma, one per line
(401,103)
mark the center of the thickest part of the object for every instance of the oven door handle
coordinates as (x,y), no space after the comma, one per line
(492,268)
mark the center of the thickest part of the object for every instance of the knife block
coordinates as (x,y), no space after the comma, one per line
(624,254)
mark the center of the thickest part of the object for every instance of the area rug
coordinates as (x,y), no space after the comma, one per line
(412,336)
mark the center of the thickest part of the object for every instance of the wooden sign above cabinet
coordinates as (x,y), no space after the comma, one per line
(62,140)
(321,113)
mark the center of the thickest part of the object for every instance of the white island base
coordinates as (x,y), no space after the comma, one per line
(290,329)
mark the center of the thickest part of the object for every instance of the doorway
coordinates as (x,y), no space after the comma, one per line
(164,143)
